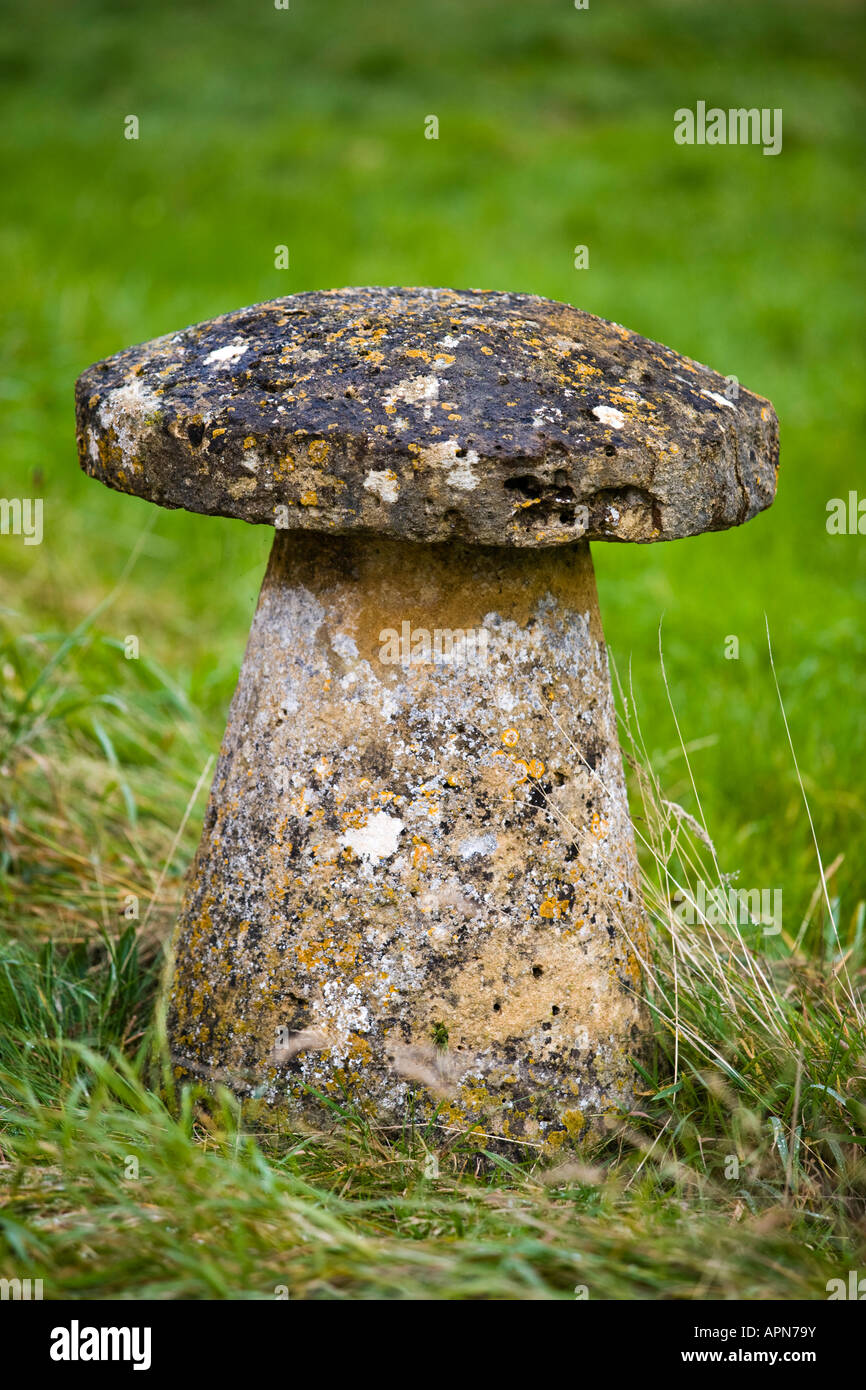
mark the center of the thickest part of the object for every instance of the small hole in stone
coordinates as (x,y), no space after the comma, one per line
(497,1008)
(460,453)
(609,449)
(566,516)
(537,971)
(526,485)
(195,434)
(555,1010)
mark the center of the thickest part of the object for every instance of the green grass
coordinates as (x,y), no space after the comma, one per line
(305,127)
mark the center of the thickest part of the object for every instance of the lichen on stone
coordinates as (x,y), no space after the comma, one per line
(429,869)
(503,419)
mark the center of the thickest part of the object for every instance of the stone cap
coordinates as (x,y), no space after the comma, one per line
(501,419)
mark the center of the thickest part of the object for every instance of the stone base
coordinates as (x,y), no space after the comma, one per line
(416,884)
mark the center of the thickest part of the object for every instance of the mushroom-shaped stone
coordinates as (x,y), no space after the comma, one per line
(417,881)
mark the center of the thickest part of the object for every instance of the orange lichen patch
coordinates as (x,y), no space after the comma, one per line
(554,908)
(318,450)
(510,737)
(575,1122)
(518,763)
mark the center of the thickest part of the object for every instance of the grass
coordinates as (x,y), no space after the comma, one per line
(262,127)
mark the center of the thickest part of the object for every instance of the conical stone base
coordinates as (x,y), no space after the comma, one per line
(416,883)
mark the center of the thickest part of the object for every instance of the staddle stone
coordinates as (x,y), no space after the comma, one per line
(423,874)
(416,886)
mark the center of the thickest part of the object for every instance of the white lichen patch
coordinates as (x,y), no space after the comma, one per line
(345,646)
(448,454)
(125,410)
(719,400)
(462,476)
(384,483)
(609,415)
(546,415)
(478,844)
(389,706)
(340,1013)
(415,390)
(376,840)
(225,356)
(441,455)
(565,344)
(297,611)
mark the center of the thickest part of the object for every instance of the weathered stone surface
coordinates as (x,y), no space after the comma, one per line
(422,872)
(503,419)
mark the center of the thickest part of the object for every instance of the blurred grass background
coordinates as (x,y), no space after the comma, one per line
(305,127)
